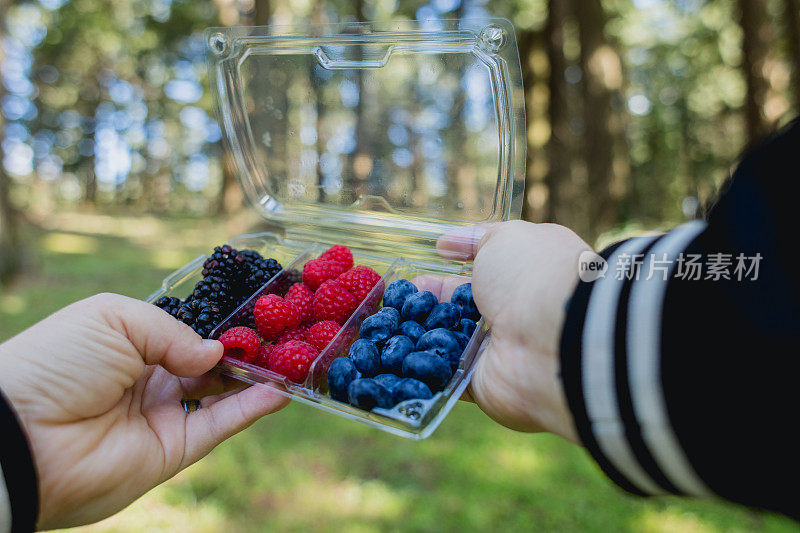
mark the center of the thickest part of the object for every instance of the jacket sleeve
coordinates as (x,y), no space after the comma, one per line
(680,363)
(19,500)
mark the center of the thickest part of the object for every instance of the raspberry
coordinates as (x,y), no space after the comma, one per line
(274,315)
(317,271)
(241,343)
(293,359)
(262,359)
(333,301)
(303,299)
(297,334)
(359,280)
(322,333)
(340,254)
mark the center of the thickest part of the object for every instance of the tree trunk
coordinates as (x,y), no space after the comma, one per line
(318,16)
(263,12)
(558,164)
(602,77)
(229,196)
(526,48)
(90,194)
(755,46)
(791,15)
(9,256)
(354,180)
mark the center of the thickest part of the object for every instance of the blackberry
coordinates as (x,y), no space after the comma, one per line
(260,273)
(170,304)
(201,315)
(293,276)
(251,256)
(226,262)
(217,289)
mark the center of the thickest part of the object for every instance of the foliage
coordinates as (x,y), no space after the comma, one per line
(105,105)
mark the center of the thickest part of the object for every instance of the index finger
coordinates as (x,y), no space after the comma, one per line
(462,243)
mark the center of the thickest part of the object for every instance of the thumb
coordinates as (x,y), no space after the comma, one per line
(159,338)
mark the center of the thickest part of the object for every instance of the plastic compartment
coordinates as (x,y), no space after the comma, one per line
(414,419)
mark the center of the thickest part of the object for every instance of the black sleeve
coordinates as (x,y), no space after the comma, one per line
(19,498)
(680,363)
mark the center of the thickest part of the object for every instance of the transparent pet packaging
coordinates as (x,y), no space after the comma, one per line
(378,136)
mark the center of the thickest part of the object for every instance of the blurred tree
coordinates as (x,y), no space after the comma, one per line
(354,178)
(791,17)
(9,256)
(602,82)
(756,36)
(263,12)
(229,196)
(527,44)
(558,168)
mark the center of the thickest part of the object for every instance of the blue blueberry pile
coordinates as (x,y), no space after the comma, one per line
(408,350)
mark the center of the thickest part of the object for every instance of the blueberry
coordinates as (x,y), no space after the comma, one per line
(378,327)
(392,313)
(397,292)
(418,306)
(367,393)
(466,326)
(443,315)
(387,380)
(394,351)
(441,342)
(428,368)
(462,298)
(412,330)
(463,340)
(411,389)
(365,356)
(341,372)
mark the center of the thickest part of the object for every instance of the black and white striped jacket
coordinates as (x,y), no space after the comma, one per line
(19,500)
(684,380)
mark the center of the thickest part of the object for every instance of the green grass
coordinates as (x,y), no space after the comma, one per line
(302,469)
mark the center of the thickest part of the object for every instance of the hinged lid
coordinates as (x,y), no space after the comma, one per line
(399,128)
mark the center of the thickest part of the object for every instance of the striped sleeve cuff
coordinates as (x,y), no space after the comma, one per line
(610,365)
(19,497)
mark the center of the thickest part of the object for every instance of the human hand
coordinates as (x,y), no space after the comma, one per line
(98,388)
(523,276)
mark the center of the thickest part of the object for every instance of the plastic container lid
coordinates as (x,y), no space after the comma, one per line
(392,131)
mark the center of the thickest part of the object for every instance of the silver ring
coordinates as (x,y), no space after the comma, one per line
(190,406)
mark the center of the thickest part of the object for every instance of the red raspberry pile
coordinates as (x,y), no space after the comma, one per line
(292,330)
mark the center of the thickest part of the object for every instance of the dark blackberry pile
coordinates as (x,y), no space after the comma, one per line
(170,304)
(261,271)
(230,277)
(202,315)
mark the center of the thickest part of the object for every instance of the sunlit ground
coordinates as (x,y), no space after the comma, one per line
(302,469)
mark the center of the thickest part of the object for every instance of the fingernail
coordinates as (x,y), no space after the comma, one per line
(211,343)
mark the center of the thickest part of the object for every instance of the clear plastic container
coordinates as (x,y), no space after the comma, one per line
(378,136)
